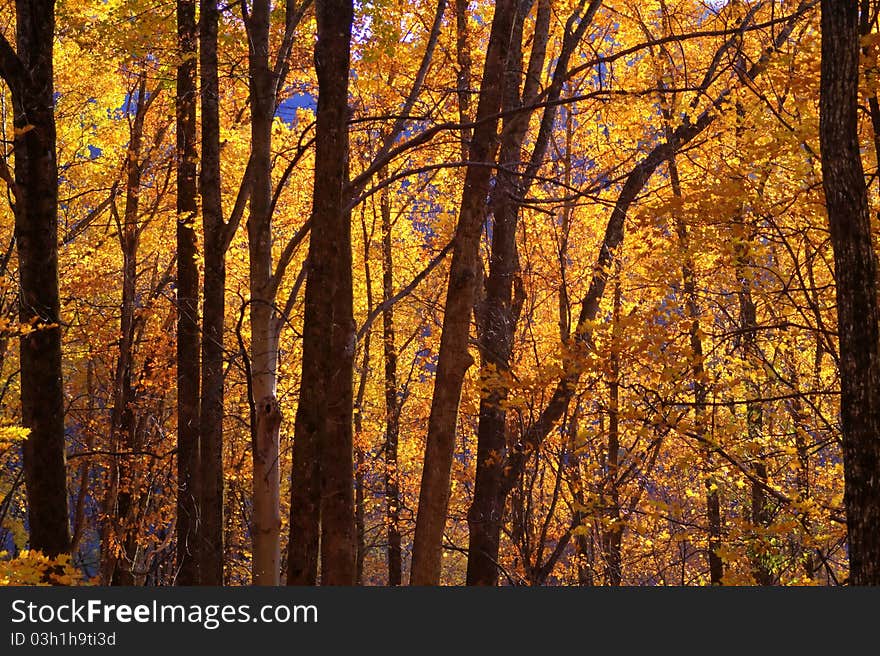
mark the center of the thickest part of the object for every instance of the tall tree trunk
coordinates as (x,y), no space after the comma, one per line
(359,478)
(323,432)
(856,278)
(29,76)
(500,307)
(264,345)
(332,244)
(392,403)
(122,420)
(210,549)
(464,275)
(463,74)
(612,532)
(497,316)
(188,528)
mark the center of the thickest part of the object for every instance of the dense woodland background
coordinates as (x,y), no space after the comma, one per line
(524,292)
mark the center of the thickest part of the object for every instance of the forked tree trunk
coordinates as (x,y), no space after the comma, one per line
(501,307)
(122,421)
(464,275)
(497,317)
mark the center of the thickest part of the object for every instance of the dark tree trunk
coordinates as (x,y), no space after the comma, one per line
(856,280)
(122,419)
(392,403)
(359,478)
(612,532)
(464,275)
(497,316)
(213,309)
(188,528)
(500,311)
(323,432)
(29,76)
(463,74)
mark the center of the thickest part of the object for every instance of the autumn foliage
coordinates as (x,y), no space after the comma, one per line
(620,203)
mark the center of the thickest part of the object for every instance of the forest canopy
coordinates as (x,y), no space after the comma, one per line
(523,292)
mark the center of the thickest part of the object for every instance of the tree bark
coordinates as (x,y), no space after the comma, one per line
(188,527)
(500,310)
(463,73)
(213,309)
(498,315)
(264,345)
(29,74)
(612,531)
(122,420)
(392,403)
(856,279)
(323,431)
(360,458)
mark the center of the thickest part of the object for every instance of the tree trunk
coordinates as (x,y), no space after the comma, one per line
(500,310)
(264,344)
(464,275)
(30,78)
(463,74)
(856,279)
(612,532)
(359,478)
(188,528)
(122,422)
(392,403)
(331,243)
(761,509)
(497,316)
(213,309)
(322,471)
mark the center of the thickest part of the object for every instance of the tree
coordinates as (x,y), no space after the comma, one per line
(188,529)
(323,437)
(217,235)
(454,359)
(29,74)
(855,265)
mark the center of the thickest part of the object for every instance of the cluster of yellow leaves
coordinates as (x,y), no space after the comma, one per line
(12,435)
(35,568)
